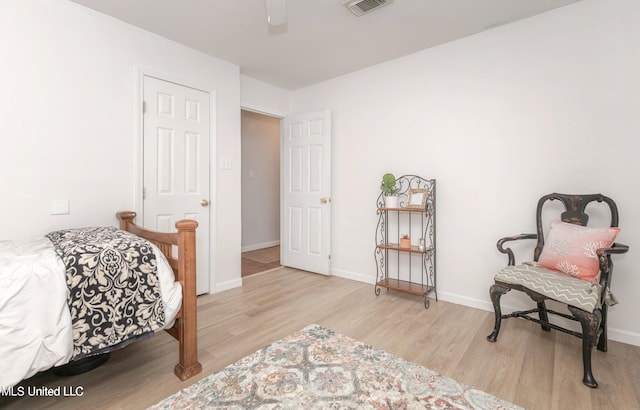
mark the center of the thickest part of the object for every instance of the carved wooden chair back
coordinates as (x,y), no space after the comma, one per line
(575,213)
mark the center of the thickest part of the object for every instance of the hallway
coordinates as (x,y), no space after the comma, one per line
(260,260)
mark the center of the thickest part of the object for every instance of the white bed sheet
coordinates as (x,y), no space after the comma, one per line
(35,323)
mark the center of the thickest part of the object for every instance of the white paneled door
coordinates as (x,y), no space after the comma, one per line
(306,187)
(176,128)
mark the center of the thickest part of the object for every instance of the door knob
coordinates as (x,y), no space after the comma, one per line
(204,202)
(325,200)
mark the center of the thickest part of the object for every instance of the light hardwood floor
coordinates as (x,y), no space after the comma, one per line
(260,260)
(529,367)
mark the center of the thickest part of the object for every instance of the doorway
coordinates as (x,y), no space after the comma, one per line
(260,178)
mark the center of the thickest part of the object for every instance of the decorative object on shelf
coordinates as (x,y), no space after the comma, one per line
(388,186)
(417,198)
(400,266)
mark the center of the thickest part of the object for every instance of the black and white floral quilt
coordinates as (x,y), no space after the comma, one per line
(114,292)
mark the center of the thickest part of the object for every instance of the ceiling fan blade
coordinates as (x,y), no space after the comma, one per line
(276,12)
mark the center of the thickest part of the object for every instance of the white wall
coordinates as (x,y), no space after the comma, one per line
(548,104)
(69,122)
(260,180)
(265,98)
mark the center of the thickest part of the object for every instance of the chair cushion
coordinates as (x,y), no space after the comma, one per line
(571,249)
(554,285)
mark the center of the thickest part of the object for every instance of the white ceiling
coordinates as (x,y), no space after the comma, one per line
(322,39)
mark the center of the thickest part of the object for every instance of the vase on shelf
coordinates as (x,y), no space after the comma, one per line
(390,201)
(405,242)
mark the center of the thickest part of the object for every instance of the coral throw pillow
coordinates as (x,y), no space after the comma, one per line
(571,249)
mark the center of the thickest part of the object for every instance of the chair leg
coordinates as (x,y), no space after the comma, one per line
(542,313)
(602,341)
(496,291)
(590,323)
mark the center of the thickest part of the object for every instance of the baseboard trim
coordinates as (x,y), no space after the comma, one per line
(353,276)
(236,283)
(260,246)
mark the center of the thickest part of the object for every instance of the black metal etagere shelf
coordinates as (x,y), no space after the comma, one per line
(396,264)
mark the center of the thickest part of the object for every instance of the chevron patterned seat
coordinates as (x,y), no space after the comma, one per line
(574,269)
(554,285)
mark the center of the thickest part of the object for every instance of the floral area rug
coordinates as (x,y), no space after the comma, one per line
(317,368)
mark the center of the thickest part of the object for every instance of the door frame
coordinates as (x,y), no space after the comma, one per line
(281,116)
(280,122)
(138,161)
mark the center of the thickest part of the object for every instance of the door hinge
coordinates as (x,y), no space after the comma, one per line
(144,107)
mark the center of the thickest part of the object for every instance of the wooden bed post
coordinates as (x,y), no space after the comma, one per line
(187,324)
(185,328)
(126,218)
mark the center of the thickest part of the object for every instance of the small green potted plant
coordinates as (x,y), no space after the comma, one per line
(388,186)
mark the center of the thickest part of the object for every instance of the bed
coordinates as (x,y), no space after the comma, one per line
(41,329)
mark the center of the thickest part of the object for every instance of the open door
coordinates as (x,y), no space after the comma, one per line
(306,192)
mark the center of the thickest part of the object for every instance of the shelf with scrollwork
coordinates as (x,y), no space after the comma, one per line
(403,263)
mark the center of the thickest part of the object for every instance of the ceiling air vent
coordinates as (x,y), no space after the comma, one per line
(360,7)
